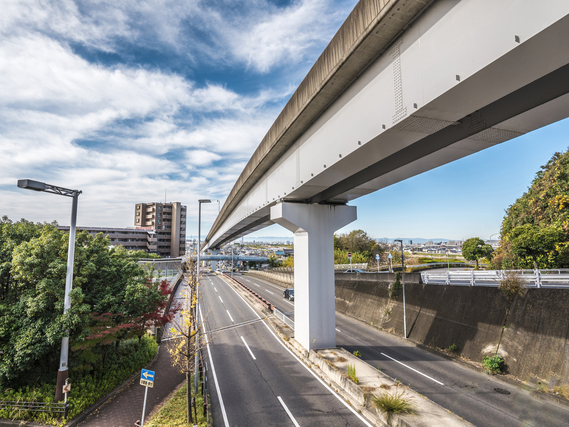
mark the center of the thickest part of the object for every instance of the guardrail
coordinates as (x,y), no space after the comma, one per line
(284,318)
(53,408)
(532,278)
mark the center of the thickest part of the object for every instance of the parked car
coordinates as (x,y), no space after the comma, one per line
(289,294)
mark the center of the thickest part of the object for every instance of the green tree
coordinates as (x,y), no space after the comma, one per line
(474,248)
(107,282)
(535,229)
(362,247)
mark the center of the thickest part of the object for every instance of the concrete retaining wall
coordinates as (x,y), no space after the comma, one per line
(534,341)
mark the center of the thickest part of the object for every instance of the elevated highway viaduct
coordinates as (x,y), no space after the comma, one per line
(403,87)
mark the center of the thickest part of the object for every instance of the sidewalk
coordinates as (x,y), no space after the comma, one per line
(125,408)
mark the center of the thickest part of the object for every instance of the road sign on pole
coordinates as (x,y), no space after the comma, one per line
(147,380)
(377,259)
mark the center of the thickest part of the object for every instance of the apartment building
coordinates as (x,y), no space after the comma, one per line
(166,223)
(160,228)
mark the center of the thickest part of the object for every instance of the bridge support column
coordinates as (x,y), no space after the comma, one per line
(314,289)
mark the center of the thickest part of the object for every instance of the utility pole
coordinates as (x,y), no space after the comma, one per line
(403,284)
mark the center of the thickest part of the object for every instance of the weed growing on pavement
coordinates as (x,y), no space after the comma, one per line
(352,373)
(357,353)
(396,402)
(453,348)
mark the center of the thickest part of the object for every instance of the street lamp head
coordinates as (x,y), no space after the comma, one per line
(31,185)
(204,201)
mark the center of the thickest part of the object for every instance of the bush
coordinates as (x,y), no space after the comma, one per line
(357,353)
(511,284)
(493,365)
(130,356)
(453,348)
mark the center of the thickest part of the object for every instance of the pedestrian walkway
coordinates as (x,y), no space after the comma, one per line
(125,407)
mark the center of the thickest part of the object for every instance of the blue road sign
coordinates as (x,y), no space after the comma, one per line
(147,375)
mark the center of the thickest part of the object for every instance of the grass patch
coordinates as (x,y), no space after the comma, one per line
(173,413)
(393,403)
(561,390)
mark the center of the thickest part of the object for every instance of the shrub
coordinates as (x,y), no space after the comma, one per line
(357,353)
(493,365)
(453,348)
(511,284)
(352,373)
(393,403)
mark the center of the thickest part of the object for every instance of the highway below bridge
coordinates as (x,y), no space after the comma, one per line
(251,387)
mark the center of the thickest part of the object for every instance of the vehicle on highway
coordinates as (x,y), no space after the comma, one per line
(289,294)
(354,270)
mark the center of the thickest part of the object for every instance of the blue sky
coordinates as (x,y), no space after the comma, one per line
(128,99)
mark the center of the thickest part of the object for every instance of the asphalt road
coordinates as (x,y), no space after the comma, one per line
(481,399)
(261,383)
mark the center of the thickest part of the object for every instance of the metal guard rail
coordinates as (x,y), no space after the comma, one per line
(51,407)
(558,278)
(262,300)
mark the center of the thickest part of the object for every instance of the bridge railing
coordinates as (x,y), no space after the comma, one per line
(553,278)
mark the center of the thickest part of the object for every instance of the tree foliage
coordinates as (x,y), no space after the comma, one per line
(111,300)
(474,248)
(357,242)
(535,229)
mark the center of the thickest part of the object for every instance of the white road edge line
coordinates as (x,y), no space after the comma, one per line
(426,376)
(362,419)
(250,352)
(225,420)
(288,412)
(219,296)
(230,316)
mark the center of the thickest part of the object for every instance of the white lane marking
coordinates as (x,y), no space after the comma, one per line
(257,285)
(288,412)
(215,288)
(250,352)
(426,376)
(219,296)
(338,330)
(272,293)
(225,420)
(230,316)
(362,419)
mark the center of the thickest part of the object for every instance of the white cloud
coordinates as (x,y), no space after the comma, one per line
(201,157)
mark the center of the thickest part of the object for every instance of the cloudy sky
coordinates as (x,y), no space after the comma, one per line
(128,100)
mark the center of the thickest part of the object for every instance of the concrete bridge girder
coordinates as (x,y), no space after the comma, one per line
(313,227)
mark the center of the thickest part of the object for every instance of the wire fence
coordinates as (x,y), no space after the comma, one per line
(21,408)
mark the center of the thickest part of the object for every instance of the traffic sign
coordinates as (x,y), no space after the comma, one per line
(349,255)
(376,256)
(67,388)
(147,378)
(389,256)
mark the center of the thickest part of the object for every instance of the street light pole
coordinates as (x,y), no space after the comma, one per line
(403,283)
(196,374)
(63,372)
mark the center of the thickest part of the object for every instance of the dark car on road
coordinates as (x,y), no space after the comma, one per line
(289,294)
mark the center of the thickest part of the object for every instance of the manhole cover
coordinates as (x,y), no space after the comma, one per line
(501,391)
